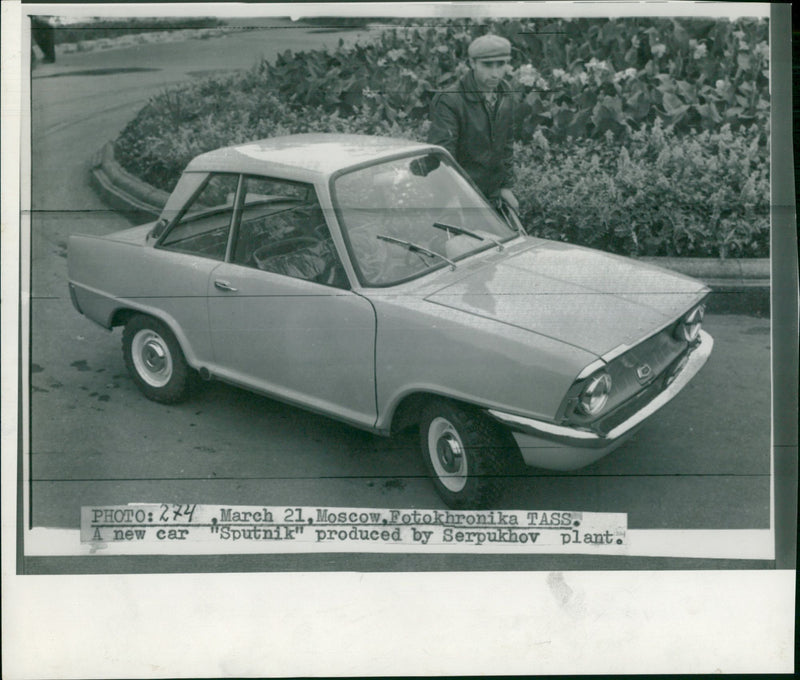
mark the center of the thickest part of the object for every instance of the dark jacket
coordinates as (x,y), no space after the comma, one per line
(481,141)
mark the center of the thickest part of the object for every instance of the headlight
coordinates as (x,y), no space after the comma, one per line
(689,327)
(594,396)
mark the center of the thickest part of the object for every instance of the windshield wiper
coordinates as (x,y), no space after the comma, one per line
(414,248)
(467,232)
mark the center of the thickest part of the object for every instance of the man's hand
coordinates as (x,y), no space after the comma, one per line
(508,197)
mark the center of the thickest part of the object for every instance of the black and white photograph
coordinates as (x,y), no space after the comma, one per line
(320,317)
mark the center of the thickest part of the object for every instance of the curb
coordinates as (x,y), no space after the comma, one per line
(739,286)
(745,273)
(137,199)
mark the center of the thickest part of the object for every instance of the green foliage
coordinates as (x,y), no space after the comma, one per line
(643,136)
(691,74)
(394,75)
(701,194)
(578,77)
(179,124)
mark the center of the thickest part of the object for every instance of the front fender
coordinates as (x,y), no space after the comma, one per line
(425,347)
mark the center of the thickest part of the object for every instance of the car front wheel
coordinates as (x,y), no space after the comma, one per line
(155,360)
(465,454)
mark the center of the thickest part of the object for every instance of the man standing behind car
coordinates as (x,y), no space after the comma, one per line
(474,122)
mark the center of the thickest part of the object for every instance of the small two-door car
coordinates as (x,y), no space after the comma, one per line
(367,279)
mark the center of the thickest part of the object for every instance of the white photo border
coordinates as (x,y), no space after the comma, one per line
(513,622)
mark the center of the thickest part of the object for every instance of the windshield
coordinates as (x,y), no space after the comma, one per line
(394,217)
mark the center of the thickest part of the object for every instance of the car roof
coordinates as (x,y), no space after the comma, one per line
(305,156)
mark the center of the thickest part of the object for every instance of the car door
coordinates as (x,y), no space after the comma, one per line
(282,317)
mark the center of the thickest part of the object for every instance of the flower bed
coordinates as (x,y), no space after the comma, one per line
(643,136)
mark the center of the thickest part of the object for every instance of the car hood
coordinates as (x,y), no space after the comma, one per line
(582,297)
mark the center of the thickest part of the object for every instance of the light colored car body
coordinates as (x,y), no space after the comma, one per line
(509,330)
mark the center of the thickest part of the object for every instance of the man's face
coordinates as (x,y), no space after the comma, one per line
(489,72)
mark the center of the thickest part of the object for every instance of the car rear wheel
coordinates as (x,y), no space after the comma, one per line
(155,360)
(465,454)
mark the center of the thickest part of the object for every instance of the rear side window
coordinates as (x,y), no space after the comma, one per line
(205,224)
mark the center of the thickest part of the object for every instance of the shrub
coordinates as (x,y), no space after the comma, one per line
(692,74)
(179,124)
(577,77)
(702,194)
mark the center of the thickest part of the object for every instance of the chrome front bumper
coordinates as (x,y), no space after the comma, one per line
(560,447)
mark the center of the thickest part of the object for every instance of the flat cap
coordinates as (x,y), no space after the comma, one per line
(489,47)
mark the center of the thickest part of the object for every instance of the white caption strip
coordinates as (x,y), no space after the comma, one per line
(164,528)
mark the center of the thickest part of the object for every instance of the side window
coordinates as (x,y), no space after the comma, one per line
(283,231)
(205,224)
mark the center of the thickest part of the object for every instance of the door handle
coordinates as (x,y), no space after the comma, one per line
(224,285)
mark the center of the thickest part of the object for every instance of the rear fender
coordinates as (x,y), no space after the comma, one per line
(110,279)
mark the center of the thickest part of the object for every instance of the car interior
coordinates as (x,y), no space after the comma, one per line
(289,239)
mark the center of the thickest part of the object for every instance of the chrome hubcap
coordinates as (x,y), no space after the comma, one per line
(447,455)
(154,356)
(151,358)
(450,453)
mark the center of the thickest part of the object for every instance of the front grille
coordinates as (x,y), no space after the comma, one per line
(657,353)
(629,393)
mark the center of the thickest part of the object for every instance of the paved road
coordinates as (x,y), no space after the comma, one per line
(702,463)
